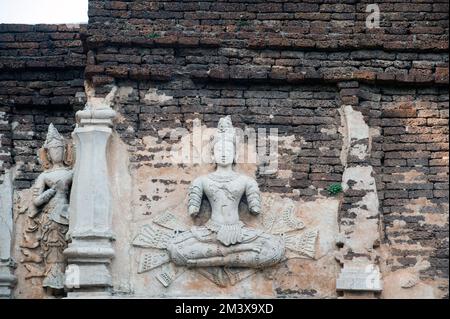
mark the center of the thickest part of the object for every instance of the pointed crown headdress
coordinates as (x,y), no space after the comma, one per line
(54,139)
(225,131)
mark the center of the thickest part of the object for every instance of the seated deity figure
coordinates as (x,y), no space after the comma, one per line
(49,209)
(224,240)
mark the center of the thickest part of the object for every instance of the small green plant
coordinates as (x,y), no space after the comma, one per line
(243,23)
(153,35)
(334,189)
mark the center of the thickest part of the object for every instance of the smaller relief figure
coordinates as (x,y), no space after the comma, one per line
(48,217)
(224,249)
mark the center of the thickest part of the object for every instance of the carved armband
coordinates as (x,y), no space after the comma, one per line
(195,195)
(253,197)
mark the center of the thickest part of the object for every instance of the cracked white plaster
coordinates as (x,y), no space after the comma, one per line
(290,142)
(124,93)
(353,128)
(357,128)
(152,96)
(359,151)
(343,130)
(412,176)
(368,205)
(282,173)
(3,118)
(361,175)
(14,125)
(407,284)
(328,131)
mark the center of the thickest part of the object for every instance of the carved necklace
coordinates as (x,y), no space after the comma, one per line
(223,178)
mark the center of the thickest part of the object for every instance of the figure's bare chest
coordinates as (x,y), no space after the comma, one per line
(60,178)
(224,191)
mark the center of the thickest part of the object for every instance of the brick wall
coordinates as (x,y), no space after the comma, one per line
(284,64)
(309,113)
(291,64)
(411,160)
(411,26)
(41,81)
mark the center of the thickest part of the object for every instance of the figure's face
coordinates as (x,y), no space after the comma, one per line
(56,154)
(224,153)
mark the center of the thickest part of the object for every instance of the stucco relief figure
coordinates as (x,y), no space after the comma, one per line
(224,240)
(44,238)
(224,249)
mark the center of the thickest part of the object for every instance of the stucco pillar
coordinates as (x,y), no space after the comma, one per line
(360,234)
(7,279)
(90,250)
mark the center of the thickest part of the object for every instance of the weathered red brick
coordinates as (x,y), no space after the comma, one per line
(441,75)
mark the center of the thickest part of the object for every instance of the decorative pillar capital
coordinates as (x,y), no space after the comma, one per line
(97,111)
(101,115)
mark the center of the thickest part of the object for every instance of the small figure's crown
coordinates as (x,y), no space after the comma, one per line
(54,139)
(225,124)
(225,130)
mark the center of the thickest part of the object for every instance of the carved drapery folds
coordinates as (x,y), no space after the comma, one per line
(300,242)
(44,238)
(90,250)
